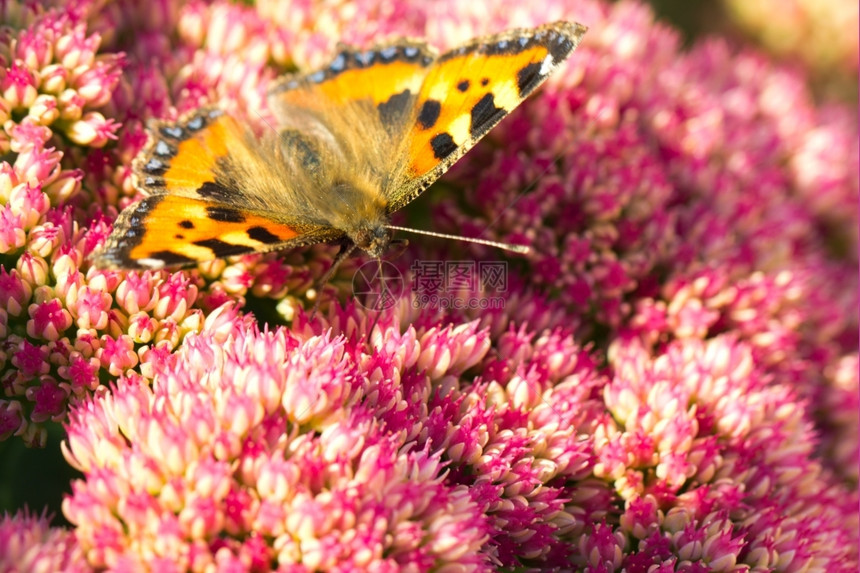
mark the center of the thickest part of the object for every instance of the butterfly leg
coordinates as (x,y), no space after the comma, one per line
(346,249)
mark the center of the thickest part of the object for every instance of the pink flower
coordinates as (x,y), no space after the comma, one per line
(174,296)
(98,82)
(93,130)
(81,374)
(452,350)
(76,49)
(48,320)
(54,79)
(18,87)
(49,400)
(45,239)
(117,355)
(44,109)
(90,307)
(28,203)
(135,292)
(14,291)
(12,235)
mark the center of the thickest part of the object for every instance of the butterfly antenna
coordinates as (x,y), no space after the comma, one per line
(346,249)
(522,249)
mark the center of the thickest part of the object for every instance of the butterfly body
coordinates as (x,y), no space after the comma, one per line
(351,144)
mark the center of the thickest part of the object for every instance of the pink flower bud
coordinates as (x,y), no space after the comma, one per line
(12,234)
(18,88)
(175,296)
(117,354)
(87,343)
(48,320)
(90,308)
(32,269)
(93,130)
(75,50)
(8,182)
(96,85)
(68,284)
(64,264)
(53,79)
(64,187)
(44,239)
(34,48)
(142,327)
(15,291)
(38,166)
(135,293)
(29,204)
(12,419)
(452,350)
(71,105)
(44,110)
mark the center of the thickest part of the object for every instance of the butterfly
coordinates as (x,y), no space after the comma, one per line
(354,142)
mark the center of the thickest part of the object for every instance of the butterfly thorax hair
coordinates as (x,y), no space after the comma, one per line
(330,170)
(359,210)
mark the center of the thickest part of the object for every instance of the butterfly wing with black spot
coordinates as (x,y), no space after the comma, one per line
(200,206)
(468,90)
(384,79)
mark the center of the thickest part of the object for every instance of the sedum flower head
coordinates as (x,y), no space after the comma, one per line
(259,452)
(716,463)
(29,543)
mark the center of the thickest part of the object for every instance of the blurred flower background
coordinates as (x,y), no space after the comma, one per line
(671,384)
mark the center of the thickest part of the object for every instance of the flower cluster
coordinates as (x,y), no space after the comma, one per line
(66,326)
(671,383)
(254,449)
(53,84)
(29,543)
(707,451)
(53,77)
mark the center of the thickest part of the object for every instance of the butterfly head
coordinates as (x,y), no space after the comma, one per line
(372,239)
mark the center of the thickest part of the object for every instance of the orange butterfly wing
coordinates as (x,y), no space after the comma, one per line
(192,213)
(469,90)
